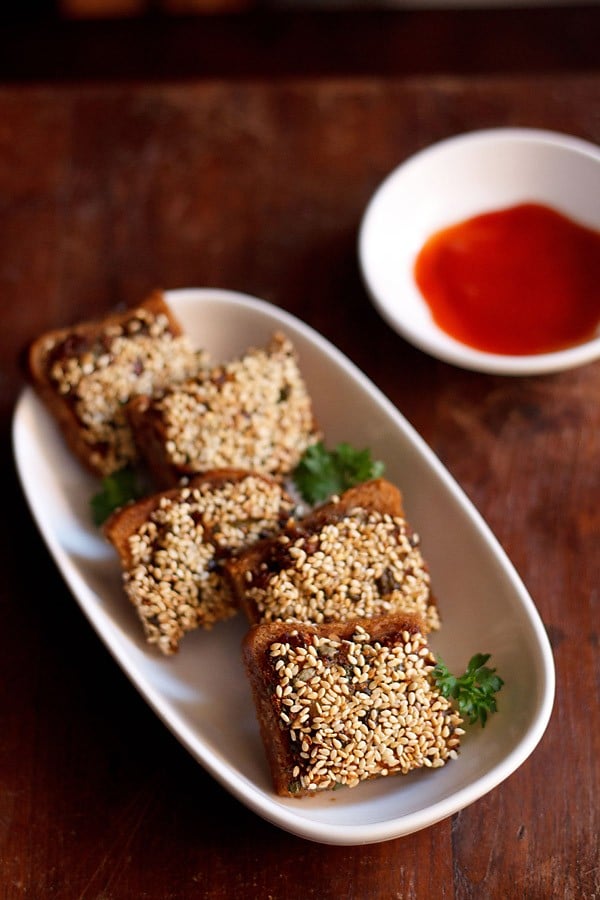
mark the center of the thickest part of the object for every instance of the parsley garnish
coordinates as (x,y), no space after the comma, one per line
(321,472)
(474,691)
(117,490)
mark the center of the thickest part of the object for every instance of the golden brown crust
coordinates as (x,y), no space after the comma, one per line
(150,441)
(125,521)
(378,494)
(60,405)
(256,568)
(253,411)
(172,546)
(291,760)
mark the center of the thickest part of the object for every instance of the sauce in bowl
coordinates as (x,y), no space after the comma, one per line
(522,280)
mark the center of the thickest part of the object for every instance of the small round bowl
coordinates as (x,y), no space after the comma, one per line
(449,182)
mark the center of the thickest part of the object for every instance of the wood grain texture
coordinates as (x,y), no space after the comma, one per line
(108,191)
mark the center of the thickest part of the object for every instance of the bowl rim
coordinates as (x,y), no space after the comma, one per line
(436,342)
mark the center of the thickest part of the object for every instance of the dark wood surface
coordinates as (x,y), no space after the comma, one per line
(256,183)
(269,42)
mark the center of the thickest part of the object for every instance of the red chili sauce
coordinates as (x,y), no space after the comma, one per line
(514,281)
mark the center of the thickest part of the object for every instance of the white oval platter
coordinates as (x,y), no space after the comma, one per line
(202,694)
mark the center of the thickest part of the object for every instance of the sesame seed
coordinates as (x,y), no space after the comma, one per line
(176,553)
(330,742)
(253,412)
(332,584)
(141,356)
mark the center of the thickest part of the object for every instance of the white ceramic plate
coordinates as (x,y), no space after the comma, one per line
(449,182)
(202,694)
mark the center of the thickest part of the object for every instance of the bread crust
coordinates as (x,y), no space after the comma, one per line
(60,405)
(292,774)
(378,494)
(125,521)
(150,440)
(232,427)
(252,569)
(190,548)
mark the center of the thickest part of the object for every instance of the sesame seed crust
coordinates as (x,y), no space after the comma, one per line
(365,564)
(348,709)
(173,560)
(253,412)
(96,372)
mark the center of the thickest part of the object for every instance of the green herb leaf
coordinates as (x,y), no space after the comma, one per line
(474,691)
(322,472)
(117,490)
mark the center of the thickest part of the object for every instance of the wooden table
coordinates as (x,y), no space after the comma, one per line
(109,188)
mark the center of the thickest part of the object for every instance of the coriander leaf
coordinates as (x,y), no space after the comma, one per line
(356,466)
(474,691)
(322,472)
(315,475)
(117,490)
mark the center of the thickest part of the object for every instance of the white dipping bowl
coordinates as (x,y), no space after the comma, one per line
(449,182)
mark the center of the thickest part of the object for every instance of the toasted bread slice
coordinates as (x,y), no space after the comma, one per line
(355,556)
(172,546)
(253,412)
(87,373)
(342,703)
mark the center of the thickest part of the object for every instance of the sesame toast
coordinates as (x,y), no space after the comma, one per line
(253,412)
(354,556)
(343,703)
(172,546)
(85,375)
